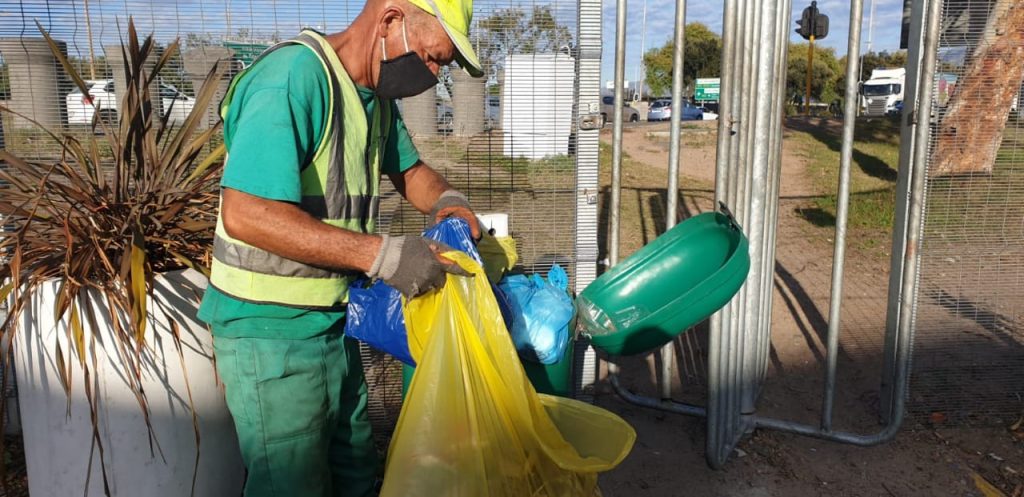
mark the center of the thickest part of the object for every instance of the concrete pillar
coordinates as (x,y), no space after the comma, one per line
(468,103)
(198,62)
(420,113)
(116,61)
(38,82)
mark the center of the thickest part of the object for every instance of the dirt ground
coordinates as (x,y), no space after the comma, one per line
(927,458)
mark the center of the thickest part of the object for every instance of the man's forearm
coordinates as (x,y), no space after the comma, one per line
(286,230)
(421,186)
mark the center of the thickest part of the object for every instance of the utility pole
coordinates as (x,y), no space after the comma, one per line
(92,52)
(871,35)
(641,70)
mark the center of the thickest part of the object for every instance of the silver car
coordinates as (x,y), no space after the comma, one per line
(608,110)
(661,110)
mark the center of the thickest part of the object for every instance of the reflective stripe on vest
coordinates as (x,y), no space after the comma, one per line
(340,187)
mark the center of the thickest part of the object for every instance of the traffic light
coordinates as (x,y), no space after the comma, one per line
(820,26)
(806,22)
(812,22)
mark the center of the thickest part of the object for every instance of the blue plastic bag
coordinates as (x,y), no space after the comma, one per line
(375,309)
(541,312)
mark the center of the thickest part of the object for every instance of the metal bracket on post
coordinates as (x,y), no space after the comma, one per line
(590,122)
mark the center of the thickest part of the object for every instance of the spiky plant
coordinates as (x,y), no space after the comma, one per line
(134,199)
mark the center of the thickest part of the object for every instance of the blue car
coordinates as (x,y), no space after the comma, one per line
(661,110)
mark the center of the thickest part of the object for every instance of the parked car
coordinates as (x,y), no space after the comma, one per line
(661,110)
(493,113)
(608,110)
(708,115)
(896,110)
(81,108)
(445,118)
(175,102)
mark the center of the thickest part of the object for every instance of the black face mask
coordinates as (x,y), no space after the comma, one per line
(404,76)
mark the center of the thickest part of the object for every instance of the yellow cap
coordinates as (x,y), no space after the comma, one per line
(456,16)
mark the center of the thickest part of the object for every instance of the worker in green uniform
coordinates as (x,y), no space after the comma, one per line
(310,127)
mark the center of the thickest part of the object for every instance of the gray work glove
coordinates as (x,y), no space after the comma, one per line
(409,264)
(454,204)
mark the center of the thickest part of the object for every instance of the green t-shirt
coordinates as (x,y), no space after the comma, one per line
(272,128)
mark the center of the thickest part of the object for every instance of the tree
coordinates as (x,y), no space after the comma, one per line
(702,59)
(516,31)
(825,75)
(871,61)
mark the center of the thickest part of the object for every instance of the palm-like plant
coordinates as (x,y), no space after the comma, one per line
(107,214)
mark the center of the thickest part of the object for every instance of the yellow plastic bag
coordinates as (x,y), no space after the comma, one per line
(499,255)
(473,426)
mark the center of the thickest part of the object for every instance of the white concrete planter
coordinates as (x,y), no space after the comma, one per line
(58,445)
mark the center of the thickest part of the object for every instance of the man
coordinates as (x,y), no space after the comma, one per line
(310,127)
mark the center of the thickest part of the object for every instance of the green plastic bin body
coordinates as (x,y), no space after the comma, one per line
(673,283)
(554,379)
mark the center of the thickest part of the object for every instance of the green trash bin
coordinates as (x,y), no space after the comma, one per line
(673,283)
(553,379)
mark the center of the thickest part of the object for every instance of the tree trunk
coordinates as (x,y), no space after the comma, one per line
(970,134)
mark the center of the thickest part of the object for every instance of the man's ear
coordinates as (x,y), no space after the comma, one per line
(390,20)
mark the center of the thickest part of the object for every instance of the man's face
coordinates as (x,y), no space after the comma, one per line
(426,37)
(432,44)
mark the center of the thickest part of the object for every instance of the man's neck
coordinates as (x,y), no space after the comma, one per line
(354,49)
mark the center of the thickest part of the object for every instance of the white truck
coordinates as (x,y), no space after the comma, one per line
(880,94)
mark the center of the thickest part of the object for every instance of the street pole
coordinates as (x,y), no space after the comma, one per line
(871,33)
(810,73)
(641,70)
(92,53)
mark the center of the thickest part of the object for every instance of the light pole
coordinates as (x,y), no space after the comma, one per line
(92,52)
(641,70)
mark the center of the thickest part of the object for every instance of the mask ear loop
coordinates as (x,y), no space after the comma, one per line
(405,39)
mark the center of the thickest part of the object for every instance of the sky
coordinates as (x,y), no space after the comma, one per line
(170,18)
(661,14)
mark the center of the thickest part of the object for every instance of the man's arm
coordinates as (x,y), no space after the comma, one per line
(420,185)
(423,187)
(284,229)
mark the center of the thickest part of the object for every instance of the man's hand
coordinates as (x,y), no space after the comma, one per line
(454,204)
(413,265)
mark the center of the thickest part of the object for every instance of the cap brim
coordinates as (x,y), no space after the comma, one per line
(465,55)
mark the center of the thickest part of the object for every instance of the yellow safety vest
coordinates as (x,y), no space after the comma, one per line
(341,187)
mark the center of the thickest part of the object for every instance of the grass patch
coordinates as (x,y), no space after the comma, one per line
(981,206)
(872,177)
(644,195)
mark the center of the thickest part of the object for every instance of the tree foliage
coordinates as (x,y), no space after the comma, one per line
(825,75)
(518,31)
(702,59)
(869,62)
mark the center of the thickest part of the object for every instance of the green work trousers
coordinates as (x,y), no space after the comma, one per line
(300,412)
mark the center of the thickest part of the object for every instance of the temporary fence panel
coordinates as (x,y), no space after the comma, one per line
(755,39)
(549,193)
(969,345)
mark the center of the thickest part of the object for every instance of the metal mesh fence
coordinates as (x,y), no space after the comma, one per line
(507,140)
(969,345)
